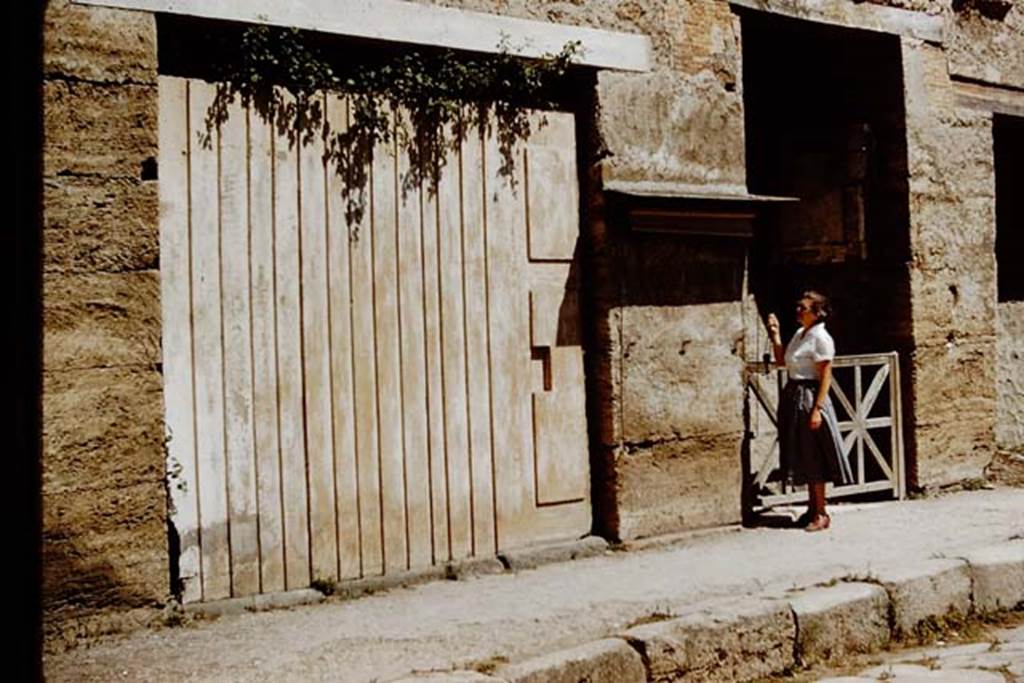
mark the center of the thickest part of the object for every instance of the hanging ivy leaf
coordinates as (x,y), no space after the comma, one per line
(439,95)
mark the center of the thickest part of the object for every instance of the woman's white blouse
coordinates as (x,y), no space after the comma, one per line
(807,349)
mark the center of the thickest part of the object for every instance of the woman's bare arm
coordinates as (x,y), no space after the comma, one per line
(776,340)
(825,372)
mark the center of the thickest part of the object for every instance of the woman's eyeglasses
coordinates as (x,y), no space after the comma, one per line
(800,308)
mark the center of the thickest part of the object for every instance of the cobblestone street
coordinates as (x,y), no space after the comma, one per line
(997,658)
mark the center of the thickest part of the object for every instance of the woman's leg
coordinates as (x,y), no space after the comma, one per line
(812,501)
(819,497)
(819,518)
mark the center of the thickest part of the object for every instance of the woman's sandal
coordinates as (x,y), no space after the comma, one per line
(803,520)
(820,523)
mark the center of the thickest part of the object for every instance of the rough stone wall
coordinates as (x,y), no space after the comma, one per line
(953,286)
(1010,374)
(682,122)
(927,6)
(665,368)
(984,44)
(104,538)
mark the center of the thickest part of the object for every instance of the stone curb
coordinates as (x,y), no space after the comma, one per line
(533,557)
(738,641)
(834,621)
(997,577)
(447,677)
(924,593)
(761,636)
(602,661)
(741,641)
(610,660)
(519,560)
(257,603)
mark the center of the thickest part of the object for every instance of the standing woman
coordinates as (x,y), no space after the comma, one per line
(810,451)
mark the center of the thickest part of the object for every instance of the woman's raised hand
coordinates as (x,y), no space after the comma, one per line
(773,328)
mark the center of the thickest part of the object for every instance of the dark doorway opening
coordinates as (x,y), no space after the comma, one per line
(1008,150)
(825,124)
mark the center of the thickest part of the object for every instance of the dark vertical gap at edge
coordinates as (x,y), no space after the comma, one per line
(28,343)
(547,359)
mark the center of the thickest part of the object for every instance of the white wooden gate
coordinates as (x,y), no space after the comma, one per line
(870,427)
(340,408)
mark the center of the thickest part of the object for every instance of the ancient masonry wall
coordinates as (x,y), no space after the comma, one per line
(104,538)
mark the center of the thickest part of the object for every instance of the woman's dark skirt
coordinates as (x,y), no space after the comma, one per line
(810,455)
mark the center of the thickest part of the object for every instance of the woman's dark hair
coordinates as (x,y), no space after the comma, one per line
(819,304)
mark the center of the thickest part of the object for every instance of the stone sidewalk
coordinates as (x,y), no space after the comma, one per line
(728,605)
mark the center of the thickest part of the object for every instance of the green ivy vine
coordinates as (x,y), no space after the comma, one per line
(426,100)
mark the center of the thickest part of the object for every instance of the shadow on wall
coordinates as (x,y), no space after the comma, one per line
(677,251)
(82,584)
(668,270)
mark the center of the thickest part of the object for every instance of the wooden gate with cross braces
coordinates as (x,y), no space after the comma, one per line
(870,426)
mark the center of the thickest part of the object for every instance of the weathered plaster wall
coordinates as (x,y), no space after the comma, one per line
(682,418)
(680,349)
(953,287)
(104,539)
(1010,376)
(927,6)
